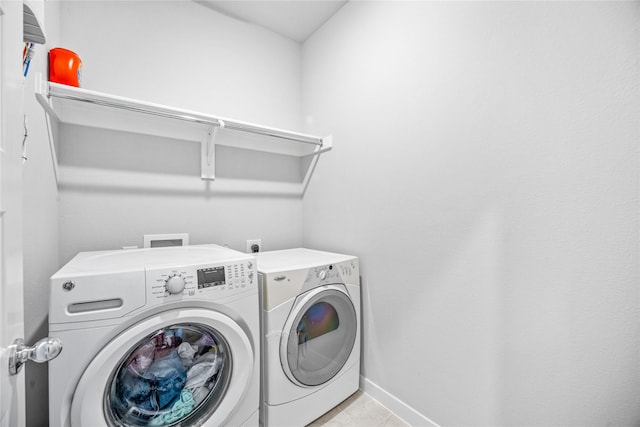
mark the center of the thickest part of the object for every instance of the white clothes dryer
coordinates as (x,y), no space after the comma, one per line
(156,337)
(310,333)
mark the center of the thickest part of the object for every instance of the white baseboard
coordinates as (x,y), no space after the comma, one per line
(395,405)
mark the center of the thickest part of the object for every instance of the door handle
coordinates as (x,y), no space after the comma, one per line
(44,350)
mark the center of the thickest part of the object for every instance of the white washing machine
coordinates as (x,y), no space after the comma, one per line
(156,337)
(310,333)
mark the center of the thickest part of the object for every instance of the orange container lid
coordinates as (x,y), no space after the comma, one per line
(65,67)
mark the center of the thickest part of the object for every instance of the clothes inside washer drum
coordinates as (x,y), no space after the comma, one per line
(158,387)
(167,377)
(181,408)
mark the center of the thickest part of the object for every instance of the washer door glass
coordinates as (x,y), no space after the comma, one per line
(176,375)
(321,336)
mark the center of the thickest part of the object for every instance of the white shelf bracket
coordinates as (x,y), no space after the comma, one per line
(207,153)
(42,95)
(44,100)
(327,145)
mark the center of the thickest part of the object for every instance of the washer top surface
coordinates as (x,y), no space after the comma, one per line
(96,262)
(298,258)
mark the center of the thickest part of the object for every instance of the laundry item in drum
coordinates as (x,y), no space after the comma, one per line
(170,376)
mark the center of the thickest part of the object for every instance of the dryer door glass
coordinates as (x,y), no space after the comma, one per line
(321,337)
(176,375)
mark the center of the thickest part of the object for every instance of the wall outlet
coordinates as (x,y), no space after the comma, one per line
(254,245)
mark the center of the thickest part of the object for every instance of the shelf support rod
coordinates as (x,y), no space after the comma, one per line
(326,145)
(54,90)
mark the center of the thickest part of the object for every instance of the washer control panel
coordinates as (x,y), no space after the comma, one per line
(207,281)
(212,276)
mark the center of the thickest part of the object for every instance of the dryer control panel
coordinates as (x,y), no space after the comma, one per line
(201,282)
(341,272)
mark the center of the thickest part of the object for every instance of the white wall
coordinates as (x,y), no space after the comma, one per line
(182,54)
(40,220)
(486,172)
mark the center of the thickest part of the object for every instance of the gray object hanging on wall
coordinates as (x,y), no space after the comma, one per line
(31,27)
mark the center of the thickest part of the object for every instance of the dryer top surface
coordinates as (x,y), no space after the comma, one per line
(298,258)
(97,262)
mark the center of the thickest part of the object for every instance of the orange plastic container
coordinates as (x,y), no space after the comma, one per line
(65,67)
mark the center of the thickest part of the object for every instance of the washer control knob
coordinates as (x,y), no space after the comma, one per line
(174,284)
(250,265)
(322,274)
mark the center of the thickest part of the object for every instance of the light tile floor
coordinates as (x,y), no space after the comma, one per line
(359,410)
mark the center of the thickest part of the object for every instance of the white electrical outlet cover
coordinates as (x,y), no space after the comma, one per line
(252,242)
